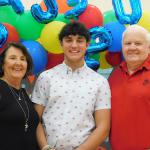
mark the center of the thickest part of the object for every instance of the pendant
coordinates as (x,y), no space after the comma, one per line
(19,98)
(26,126)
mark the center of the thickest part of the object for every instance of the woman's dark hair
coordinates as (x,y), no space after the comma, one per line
(74,28)
(23,49)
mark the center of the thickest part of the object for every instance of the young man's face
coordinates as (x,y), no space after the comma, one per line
(74,47)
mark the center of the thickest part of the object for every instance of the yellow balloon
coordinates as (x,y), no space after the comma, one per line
(38,40)
(103,62)
(145,20)
(49,37)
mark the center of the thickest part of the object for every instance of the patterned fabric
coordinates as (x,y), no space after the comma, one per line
(70,99)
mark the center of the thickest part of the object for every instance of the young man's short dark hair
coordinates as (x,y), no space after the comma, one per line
(74,28)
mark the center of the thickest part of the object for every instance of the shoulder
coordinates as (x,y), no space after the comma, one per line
(3,86)
(98,78)
(116,70)
(95,74)
(50,73)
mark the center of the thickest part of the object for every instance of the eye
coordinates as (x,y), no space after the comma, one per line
(23,58)
(12,57)
(127,43)
(138,43)
(80,39)
(68,40)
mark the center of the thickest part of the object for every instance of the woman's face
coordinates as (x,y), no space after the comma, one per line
(15,64)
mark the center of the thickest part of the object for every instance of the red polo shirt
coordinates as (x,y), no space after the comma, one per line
(130,125)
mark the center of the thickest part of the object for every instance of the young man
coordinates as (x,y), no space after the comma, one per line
(72,100)
(130,85)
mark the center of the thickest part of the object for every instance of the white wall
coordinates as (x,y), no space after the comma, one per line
(103,5)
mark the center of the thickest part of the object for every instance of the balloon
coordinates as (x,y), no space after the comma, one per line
(62,6)
(31,78)
(77,10)
(72,2)
(38,54)
(3,35)
(4,2)
(116,29)
(109,16)
(45,17)
(91,17)
(13,35)
(28,27)
(126,18)
(95,56)
(49,37)
(17,6)
(54,59)
(145,20)
(8,15)
(114,59)
(104,37)
(92,63)
(103,62)
(61,17)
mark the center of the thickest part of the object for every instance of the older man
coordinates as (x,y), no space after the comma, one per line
(130,86)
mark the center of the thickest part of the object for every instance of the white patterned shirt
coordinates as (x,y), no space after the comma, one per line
(70,99)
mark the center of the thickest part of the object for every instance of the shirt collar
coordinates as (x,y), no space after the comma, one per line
(69,69)
(145,65)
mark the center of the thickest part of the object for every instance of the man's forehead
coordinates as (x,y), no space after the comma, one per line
(74,36)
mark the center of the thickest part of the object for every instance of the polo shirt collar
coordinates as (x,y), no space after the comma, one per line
(145,65)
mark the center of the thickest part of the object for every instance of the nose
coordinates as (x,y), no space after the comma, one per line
(133,46)
(18,61)
(74,44)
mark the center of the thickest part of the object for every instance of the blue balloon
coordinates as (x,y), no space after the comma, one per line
(128,18)
(104,37)
(4,2)
(72,3)
(45,17)
(38,54)
(16,5)
(92,63)
(3,35)
(77,10)
(116,29)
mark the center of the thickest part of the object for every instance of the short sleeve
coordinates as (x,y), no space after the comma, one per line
(103,95)
(41,90)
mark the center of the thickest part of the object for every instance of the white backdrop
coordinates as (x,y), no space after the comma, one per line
(103,5)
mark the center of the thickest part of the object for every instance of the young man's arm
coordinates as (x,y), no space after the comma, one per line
(102,120)
(41,137)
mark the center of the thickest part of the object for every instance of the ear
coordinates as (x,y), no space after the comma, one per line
(87,44)
(149,48)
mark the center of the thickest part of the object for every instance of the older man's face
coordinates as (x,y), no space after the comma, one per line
(135,48)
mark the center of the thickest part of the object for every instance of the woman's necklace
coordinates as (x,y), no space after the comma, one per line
(18,98)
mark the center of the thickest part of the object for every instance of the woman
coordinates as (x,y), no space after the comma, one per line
(18,119)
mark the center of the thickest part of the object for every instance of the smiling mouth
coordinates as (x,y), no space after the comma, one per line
(74,51)
(17,69)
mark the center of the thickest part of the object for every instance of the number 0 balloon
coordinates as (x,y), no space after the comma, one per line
(125,18)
